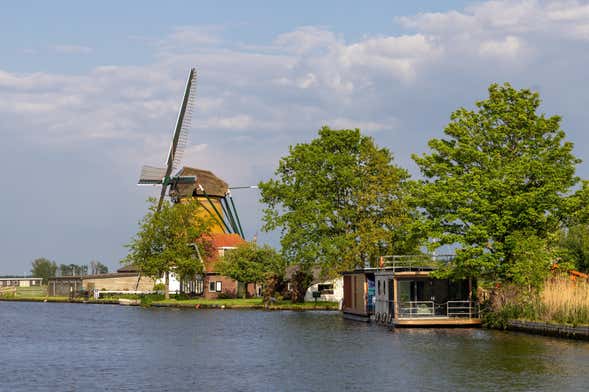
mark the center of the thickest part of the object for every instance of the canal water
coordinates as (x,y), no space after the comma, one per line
(76,347)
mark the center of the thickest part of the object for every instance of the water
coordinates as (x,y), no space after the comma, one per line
(71,347)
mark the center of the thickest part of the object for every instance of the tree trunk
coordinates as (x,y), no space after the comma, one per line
(245,290)
(167,285)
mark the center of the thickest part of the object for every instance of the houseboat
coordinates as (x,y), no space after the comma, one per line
(358,302)
(405,294)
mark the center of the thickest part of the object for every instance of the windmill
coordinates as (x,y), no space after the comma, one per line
(212,192)
(151,175)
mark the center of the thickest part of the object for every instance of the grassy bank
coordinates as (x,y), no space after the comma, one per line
(182,302)
(560,301)
(247,303)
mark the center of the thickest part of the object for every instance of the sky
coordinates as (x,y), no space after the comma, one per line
(89,92)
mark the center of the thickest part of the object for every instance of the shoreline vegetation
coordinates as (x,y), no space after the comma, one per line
(560,301)
(195,303)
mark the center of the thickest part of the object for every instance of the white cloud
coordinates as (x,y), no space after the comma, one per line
(298,81)
(506,48)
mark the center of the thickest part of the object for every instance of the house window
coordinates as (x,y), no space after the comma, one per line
(325,288)
(378,288)
(215,287)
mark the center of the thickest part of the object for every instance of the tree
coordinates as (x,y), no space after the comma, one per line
(502,175)
(339,202)
(96,268)
(43,268)
(166,241)
(574,246)
(250,263)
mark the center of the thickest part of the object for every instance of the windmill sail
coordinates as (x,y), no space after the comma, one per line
(183,124)
(151,175)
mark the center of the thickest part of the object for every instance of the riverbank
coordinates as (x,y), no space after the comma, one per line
(580,332)
(248,303)
(197,303)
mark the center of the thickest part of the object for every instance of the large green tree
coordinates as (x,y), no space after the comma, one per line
(166,241)
(43,268)
(497,185)
(250,263)
(338,201)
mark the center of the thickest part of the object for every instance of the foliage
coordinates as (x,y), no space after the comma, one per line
(166,240)
(531,260)
(500,176)
(73,270)
(250,263)
(573,245)
(339,201)
(43,268)
(96,267)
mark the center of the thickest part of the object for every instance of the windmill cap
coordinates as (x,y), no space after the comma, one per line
(205,179)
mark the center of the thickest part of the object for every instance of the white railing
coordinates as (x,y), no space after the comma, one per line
(463,309)
(415,262)
(428,309)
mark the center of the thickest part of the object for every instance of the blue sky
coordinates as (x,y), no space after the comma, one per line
(89,93)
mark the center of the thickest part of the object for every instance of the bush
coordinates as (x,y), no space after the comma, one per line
(148,299)
(227,294)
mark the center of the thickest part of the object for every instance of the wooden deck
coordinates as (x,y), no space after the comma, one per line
(437,322)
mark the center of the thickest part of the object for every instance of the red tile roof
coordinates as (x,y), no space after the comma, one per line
(221,240)
(217,241)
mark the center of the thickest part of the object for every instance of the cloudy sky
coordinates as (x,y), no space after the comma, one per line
(89,92)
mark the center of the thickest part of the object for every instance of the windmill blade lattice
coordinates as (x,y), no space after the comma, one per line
(186,121)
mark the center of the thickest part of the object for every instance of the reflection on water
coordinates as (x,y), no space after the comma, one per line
(49,347)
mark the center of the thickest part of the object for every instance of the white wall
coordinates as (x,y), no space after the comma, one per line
(174,283)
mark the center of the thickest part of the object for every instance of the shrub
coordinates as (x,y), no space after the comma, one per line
(227,294)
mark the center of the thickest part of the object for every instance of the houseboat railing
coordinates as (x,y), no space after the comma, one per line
(414,262)
(425,309)
(462,309)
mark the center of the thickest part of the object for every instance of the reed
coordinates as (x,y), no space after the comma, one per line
(560,300)
(564,301)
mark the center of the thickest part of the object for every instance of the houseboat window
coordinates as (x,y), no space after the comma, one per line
(219,286)
(404,290)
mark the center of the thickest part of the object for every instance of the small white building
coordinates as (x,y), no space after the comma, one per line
(20,282)
(329,290)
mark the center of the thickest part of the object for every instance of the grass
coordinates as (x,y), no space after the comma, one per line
(244,303)
(183,302)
